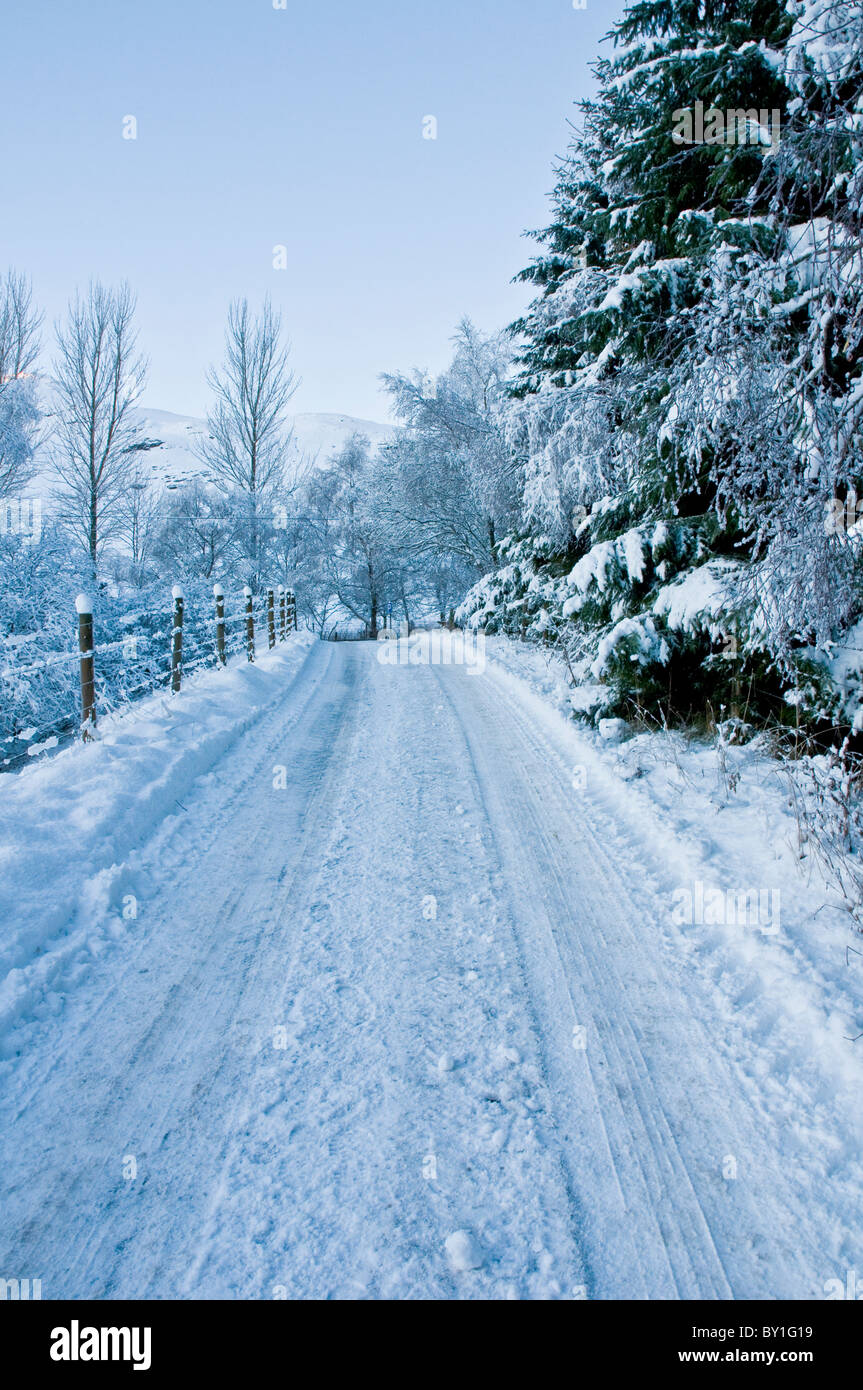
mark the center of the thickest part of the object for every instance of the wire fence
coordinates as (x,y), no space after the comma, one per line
(40,687)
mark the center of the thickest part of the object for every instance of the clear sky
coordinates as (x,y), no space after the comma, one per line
(300,126)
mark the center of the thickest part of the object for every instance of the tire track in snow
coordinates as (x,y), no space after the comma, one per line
(685,1104)
(368,1221)
(407,1038)
(656,1254)
(132,1095)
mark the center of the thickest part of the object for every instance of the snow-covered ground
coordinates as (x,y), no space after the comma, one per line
(334,977)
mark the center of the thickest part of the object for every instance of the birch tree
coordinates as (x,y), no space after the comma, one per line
(248,438)
(100,377)
(20,324)
(137,521)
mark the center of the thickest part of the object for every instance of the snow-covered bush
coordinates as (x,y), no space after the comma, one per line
(651,620)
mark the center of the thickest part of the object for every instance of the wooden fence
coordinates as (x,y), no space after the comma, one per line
(222,646)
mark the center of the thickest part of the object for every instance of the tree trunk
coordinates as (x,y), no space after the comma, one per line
(93,529)
(492,541)
(373,628)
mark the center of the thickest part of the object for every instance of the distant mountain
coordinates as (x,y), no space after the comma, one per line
(173,440)
(318,436)
(174,462)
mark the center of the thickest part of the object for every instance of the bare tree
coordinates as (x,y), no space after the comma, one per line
(248,439)
(197,531)
(99,377)
(360,561)
(461,480)
(137,517)
(20,323)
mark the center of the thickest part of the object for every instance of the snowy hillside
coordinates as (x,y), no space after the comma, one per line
(174,462)
(316,437)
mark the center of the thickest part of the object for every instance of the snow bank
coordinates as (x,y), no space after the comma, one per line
(69,828)
(722,819)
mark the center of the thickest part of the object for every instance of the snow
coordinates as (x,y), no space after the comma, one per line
(699,600)
(631,282)
(174,462)
(845,665)
(592,568)
(36,748)
(847,659)
(649,645)
(463,1251)
(65,824)
(420,1017)
(633,552)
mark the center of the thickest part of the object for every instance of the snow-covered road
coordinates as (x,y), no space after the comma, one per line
(397,975)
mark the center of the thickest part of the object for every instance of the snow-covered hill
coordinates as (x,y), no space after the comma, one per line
(175,462)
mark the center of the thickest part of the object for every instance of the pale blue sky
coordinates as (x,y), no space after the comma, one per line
(299,126)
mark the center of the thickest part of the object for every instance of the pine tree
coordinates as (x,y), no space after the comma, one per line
(654,390)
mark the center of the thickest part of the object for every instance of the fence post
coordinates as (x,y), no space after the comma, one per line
(84,609)
(282,613)
(219,595)
(292,610)
(177,640)
(250,624)
(271,618)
